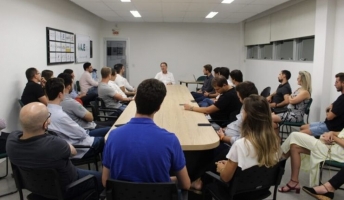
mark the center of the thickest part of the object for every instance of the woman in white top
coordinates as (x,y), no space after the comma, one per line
(165,76)
(259,144)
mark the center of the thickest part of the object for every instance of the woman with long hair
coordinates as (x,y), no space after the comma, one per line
(259,144)
(298,101)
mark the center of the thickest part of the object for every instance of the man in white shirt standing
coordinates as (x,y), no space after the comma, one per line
(87,84)
(165,76)
(123,82)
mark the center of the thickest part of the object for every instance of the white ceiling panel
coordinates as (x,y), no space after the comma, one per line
(177,10)
(120,6)
(170,7)
(193,19)
(201,7)
(255,8)
(196,14)
(153,19)
(148,6)
(173,19)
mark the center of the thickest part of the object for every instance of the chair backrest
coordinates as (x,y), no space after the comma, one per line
(201,78)
(308,107)
(101,101)
(20,103)
(123,190)
(95,110)
(256,179)
(266,92)
(43,182)
(78,86)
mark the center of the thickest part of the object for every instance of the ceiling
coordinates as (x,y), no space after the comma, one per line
(177,10)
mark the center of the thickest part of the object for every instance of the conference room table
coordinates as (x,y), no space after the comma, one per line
(197,141)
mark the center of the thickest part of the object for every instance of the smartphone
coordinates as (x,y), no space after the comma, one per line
(181,104)
(204,124)
(193,101)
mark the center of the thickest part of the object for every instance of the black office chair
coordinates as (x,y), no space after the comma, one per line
(116,190)
(199,79)
(266,92)
(4,155)
(20,103)
(253,183)
(45,185)
(99,117)
(77,83)
(225,122)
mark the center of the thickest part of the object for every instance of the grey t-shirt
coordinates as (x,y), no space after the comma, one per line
(107,93)
(43,151)
(77,112)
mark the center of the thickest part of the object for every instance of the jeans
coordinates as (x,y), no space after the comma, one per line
(206,102)
(98,145)
(198,96)
(318,128)
(84,187)
(99,132)
(93,90)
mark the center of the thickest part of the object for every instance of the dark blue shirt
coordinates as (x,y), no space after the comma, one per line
(207,87)
(140,151)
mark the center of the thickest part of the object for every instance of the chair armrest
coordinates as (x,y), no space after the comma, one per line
(82,146)
(215,177)
(106,116)
(83,180)
(109,109)
(102,195)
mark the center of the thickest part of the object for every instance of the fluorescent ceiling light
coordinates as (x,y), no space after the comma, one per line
(211,14)
(126,0)
(227,1)
(135,13)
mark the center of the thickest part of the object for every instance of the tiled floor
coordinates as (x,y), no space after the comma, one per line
(8,184)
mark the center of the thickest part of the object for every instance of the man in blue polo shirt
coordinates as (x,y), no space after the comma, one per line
(140,151)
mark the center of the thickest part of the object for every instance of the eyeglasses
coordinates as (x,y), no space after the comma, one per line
(46,120)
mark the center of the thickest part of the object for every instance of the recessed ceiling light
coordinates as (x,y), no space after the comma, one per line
(211,14)
(135,13)
(227,1)
(126,0)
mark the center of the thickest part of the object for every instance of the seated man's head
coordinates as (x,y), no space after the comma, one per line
(339,84)
(34,118)
(68,82)
(113,74)
(69,71)
(207,69)
(220,84)
(217,71)
(245,89)
(236,76)
(47,74)
(284,76)
(55,89)
(149,96)
(224,71)
(163,67)
(88,67)
(106,73)
(32,74)
(119,68)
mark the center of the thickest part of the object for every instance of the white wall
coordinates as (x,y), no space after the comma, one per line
(23,44)
(186,47)
(328,59)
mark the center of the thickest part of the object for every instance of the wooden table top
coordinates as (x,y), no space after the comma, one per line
(175,119)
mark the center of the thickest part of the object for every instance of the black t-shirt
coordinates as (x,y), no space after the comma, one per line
(227,104)
(337,124)
(32,92)
(282,90)
(43,151)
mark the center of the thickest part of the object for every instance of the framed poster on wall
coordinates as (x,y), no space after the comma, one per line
(60,46)
(82,48)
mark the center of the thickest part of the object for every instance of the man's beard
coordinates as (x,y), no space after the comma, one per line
(340,89)
(280,80)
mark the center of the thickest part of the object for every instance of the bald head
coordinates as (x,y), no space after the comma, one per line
(32,117)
